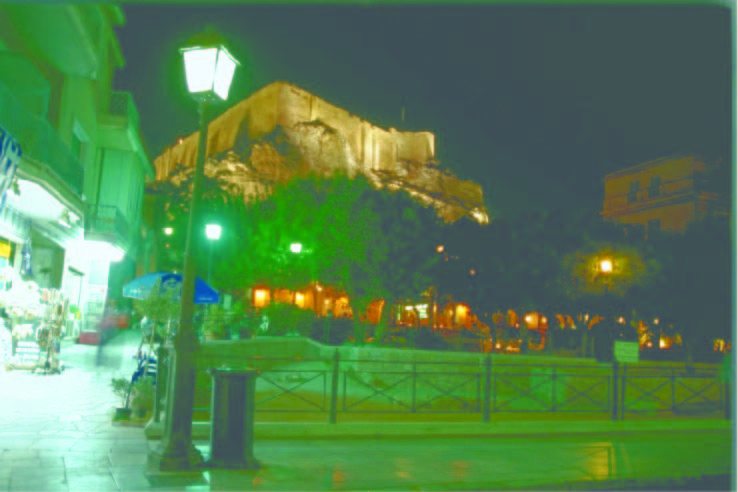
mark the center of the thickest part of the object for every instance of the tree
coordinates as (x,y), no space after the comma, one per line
(695,289)
(373,244)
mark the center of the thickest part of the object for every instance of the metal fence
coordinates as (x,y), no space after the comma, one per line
(334,387)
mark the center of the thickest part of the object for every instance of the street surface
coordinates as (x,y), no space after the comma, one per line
(56,435)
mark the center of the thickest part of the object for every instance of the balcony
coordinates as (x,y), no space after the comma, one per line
(40,141)
(668,192)
(107,223)
(119,125)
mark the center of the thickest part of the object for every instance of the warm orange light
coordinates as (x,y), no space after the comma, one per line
(300,299)
(662,343)
(606,265)
(440,248)
(260,297)
(621,320)
(655,321)
(529,318)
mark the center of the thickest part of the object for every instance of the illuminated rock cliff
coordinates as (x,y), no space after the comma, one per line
(282,131)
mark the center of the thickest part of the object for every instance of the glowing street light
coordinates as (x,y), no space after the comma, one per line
(209,69)
(605,265)
(168,231)
(213,231)
(296,248)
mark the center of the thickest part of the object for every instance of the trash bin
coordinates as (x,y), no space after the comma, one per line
(232,419)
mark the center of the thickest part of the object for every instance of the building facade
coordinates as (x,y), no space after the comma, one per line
(665,194)
(75,207)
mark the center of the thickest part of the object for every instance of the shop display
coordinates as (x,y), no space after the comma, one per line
(37,318)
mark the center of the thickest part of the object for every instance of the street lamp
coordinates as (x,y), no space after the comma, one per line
(212,232)
(296,248)
(209,69)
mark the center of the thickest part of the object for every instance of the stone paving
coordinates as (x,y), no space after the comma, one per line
(56,434)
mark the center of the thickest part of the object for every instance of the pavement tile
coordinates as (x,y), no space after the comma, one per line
(39,483)
(131,477)
(87,461)
(98,481)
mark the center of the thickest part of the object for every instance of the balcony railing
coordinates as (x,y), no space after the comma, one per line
(40,141)
(107,223)
(122,105)
(652,196)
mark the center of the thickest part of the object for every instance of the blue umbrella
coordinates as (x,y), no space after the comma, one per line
(141,287)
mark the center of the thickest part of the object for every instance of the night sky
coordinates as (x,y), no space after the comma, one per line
(535,103)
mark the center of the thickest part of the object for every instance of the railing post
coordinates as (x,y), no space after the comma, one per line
(614,409)
(487,387)
(623,387)
(334,388)
(727,402)
(553,389)
(673,391)
(413,408)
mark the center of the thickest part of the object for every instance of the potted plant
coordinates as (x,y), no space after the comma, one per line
(142,398)
(121,388)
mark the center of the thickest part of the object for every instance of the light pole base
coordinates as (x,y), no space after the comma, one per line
(174,457)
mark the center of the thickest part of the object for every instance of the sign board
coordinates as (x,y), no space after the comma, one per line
(626,351)
(10,155)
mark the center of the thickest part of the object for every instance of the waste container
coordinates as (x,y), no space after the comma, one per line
(232,419)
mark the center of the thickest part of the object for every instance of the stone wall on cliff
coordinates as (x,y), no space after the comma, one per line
(282,131)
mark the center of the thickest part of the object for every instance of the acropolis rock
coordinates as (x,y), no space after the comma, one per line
(283,131)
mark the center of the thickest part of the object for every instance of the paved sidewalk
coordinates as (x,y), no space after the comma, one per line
(56,434)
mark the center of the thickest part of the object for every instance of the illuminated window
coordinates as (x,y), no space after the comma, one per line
(261,297)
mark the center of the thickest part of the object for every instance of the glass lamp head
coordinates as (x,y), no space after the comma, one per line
(209,67)
(213,231)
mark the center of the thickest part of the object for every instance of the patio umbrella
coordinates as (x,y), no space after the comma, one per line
(140,288)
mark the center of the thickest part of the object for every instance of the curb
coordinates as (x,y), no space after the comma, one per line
(511,429)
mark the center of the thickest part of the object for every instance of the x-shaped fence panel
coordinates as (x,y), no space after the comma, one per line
(292,391)
(584,393)
(444,392)
(377,391)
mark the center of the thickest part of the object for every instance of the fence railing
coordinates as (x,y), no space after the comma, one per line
(480,390)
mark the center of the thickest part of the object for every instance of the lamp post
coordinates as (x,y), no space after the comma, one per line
(209,69)
(212,233)
(605,270)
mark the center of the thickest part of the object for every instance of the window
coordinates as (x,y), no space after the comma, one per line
(633,191)
(654,187)
(654,227)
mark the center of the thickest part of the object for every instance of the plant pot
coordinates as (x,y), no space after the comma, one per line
(122,414)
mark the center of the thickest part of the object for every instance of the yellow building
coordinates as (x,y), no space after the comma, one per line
(665,194)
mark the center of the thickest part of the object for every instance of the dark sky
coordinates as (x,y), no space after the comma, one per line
(535,103)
